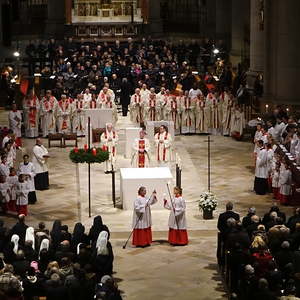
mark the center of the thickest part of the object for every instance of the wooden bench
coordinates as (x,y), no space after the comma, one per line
(55,137)
(70,137)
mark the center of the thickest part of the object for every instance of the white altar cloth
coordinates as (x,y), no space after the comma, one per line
(152,178)
(99,117)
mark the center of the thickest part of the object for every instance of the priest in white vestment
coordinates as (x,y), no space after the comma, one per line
(152,108)
(15,122)
(137,108)
(177,221)
(39,159)
(187,114)
(141,223)
(202,115)
(141,151)
(261,170)
(31,108)
(78,116)
(22,191)
(174,113)
(48,114)
(285,181)
(64,110)
(163,143)
(109,140)
(27,168)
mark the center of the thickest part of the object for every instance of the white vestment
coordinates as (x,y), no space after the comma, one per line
(64,116)
(48,115)
(38,159)
(22,191)
(78,117)
(109,141)
(136,109)
(285,181)
(152,109)
(12,181)
(4,169)
(202,116)
(31,107)
(179,207)
(142,212)
(141,159)
(4,192)
(29,170)
(187,115)
(163,142)
(15,122)
(261,166)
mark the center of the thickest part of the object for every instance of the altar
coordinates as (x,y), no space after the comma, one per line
(99,117)
(152,178)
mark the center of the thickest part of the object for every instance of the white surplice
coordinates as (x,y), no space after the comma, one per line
(178,204)
(29,170)
(163,142)
(38,159)
(15,122)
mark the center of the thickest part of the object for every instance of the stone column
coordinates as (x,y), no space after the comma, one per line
(155,27)
(55,25)
(282,67)
(257,38)
(240,17)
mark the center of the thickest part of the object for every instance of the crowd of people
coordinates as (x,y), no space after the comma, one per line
(56,264)
(260,255)
(277,146)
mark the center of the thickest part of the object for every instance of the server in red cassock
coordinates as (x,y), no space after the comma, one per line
(177,222)
(142,235)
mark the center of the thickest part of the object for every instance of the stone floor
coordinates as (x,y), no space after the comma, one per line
(160,271)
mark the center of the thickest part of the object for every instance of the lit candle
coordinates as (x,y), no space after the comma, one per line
(267,107)
(75,150)
(287,109)
(94,151)
(85,147)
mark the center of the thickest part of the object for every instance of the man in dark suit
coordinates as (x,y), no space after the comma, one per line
(20,229)
(223,217)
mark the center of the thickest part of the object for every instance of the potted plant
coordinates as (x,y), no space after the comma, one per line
(208,203)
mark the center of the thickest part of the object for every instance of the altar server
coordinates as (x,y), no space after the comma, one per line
(78,117)
(141,148)
(109,140)
(4,167)
(177,221)
(142,235)
(39,160)
(64,115)
(48,114)
(136,107)
(31,108)
(261,170)
(163,142)
(22,191)
(27,168)
(12,180)
(285,180)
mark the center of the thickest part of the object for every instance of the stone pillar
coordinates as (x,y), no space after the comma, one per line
(223,24)
(55,25)
(155,27)
(282,68)
(240,19)
(257,38)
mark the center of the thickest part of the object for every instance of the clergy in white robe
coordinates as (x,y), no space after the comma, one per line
(15,121)
(174,113)
(48,114)
(22,191)
(141,223)
(163,143)
(187,114)
(238,123)
(195,92)
(109,140)
(64,115)
(4,167)
(87,97)
(78,116)
(145,92)
(27,168)
(4,193)
(152,108)
(108,102)
(31,108)
(39,159)
(164,103)
(227,107)
(141,151)
(177,221)
(215,121)
(285,181)
(261,170)
(12,180)
(136,108)
(202,115)
(275,182)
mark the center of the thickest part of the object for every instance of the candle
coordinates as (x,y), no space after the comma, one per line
(267,107)
(94,151)
(76,150)
(85,147)
(287,109)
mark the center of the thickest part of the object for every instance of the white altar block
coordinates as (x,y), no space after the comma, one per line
(150,125)
(131,179)
(130,134)
(99,117)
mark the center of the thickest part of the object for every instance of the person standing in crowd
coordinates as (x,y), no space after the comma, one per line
(27,168)
(177,221)
(31,108)
(261,170)
(64,115)
(142,234)
(39,161)
(109,140)
(125,95)
(141,150)
(136,107)
(15,123)
(22,191)
(163,142)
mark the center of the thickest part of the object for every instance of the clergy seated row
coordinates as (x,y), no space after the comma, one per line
(262,253)
(191,112)
(55,263)
(63,116)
